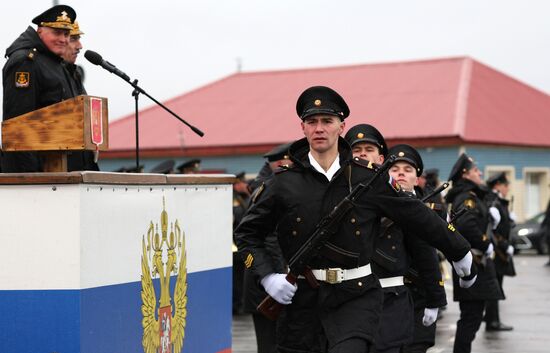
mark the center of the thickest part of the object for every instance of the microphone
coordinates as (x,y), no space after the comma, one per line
(96,59)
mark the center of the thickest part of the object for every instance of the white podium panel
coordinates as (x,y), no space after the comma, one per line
(100,262)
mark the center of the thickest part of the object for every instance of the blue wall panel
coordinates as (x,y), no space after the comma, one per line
(442,158)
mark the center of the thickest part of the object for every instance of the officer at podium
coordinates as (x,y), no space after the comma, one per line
(34,77)
(74,47)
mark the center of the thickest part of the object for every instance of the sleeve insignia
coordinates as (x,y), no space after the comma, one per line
(394,184)
(451,227)
(248,261)
(22,79)
(441,283)
(258,192)
(469,203)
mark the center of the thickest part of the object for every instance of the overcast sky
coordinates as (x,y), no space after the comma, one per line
(175,46)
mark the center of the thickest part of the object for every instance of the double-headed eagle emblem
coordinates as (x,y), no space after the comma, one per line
(163,330)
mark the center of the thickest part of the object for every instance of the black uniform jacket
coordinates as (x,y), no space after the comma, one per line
(76,73)
(401,254)
(504,263)
(294,200)
(79,160)
(33,78)
(396,253)
(426,286)
(473,226)
(253,292)
(424,275)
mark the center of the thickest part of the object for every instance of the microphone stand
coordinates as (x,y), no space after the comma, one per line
(135,93)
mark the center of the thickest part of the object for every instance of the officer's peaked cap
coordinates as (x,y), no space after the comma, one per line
(164,167)
(462,165)
(499,178)
(408,154)
(369,134)
(278,153)
(59,16)
(193,163)
(321,100)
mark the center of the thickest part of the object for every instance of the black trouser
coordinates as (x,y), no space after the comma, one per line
(238,274)
(389,350)
(265,333)
(471,315)
(420,347)
(491,309)
(352,345)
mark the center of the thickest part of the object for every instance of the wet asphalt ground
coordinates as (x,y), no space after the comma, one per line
(526,308)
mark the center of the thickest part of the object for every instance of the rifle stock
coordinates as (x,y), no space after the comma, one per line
(269,307)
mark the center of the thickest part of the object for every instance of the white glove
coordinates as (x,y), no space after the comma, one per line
(490,250)
(276,285)
(430,315)
(510,250)
(495,215)
(513,216)
(464,265)
(467,283)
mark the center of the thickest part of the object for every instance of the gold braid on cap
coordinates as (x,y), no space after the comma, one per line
(76,30)
(61,22)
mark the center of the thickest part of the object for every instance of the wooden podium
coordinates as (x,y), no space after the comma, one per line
(76,124)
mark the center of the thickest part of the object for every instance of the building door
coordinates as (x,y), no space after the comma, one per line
(533,191)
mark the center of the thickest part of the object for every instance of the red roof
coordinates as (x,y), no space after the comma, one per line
(455,100)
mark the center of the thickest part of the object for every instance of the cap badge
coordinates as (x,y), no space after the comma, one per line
(63,17)
(317,102)
(401,154)
(360,135)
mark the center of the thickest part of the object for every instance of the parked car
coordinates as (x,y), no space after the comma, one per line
(528,235)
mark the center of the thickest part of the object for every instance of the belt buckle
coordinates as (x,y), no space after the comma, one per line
(334,275)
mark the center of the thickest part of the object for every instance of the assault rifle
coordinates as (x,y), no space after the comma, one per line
(386,222)
(327,226)
(457,215)
(435,191)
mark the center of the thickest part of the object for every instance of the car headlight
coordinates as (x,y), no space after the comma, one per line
(524,231)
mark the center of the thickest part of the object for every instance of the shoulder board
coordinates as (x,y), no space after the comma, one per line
(363,163)
(470,203)
(282,169)
(258,192)
(32,53)
(434,206)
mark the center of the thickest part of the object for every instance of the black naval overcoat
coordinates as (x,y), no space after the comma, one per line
(291,203)
(33,78)
(79,160)
(473,226)
(504,264)
(401,254)
(426,286)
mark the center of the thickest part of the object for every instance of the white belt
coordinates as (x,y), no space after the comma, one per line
(338,275)
(391,281)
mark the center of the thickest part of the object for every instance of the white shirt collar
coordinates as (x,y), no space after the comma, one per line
(331,171)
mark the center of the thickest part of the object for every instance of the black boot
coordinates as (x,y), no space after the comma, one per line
(497,326)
